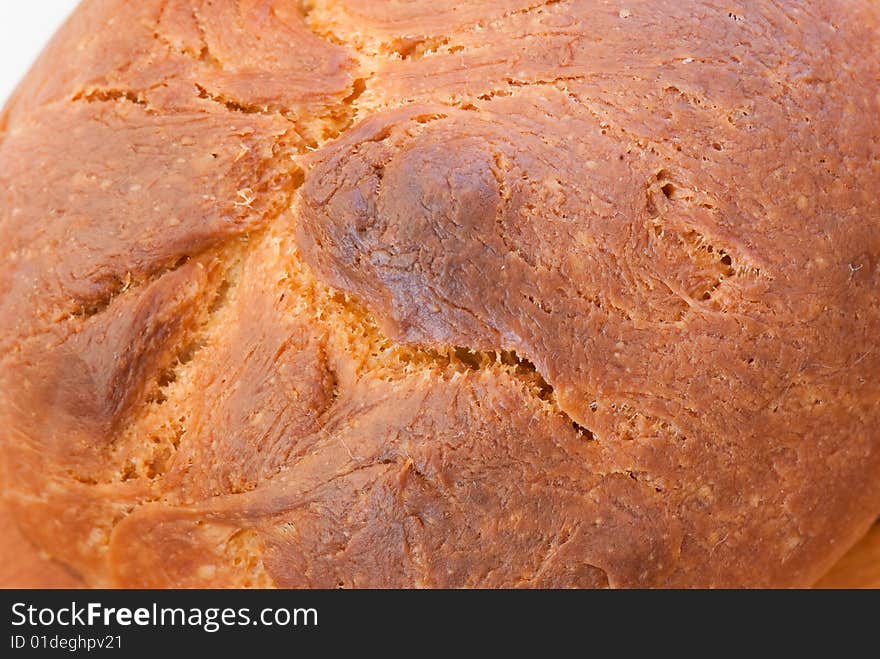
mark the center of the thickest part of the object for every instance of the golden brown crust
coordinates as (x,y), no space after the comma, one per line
(407,294)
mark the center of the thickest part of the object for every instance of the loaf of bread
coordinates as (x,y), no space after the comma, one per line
(434,293)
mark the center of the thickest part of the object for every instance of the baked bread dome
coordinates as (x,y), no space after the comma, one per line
(404,293)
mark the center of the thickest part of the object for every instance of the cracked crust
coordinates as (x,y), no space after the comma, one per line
(444,294)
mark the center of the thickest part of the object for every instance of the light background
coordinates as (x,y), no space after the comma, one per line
(25,27)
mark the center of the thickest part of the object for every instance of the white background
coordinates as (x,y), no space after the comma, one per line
(25,27)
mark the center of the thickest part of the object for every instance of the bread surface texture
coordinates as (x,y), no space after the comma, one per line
(494,293)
